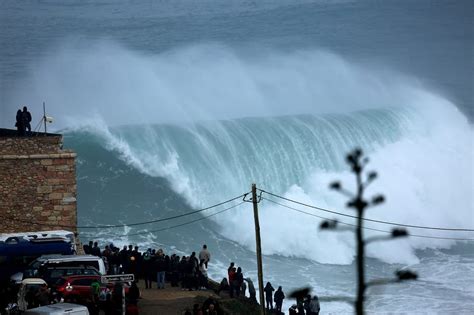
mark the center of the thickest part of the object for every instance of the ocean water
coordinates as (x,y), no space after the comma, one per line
(177,105)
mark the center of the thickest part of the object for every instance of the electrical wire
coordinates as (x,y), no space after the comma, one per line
(131,224)
(366,228)
(367,219)
(182,224)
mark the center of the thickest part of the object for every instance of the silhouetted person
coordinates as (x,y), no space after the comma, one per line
(279,297)
(243,288)
(133,293)
(210,305)
(252,291)
(232,282)
(117,298)
(95,250)
(303,303)
(223,286)
(269,295)
(88,248)
(292,310)
(230,268)
(314,306)
(239,279)
(147,265)
(26,117)
(20,127)
(212,310)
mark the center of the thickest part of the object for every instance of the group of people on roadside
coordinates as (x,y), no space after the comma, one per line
(191,272)
(154,265)
(23,121)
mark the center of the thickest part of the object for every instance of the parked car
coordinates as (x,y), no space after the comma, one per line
(78,288)
(32,271)
(16,252)
(51,274)
(59,309)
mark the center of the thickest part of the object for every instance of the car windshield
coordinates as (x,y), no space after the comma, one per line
(35,264)
(53,273)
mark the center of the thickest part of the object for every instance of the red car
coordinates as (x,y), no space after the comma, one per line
(78,288)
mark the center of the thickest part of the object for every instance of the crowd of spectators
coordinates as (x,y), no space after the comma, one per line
(155,265)
(190,272)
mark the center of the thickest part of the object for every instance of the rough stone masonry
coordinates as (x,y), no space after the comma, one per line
(37,183)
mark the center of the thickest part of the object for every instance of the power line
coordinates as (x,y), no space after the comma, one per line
(131,224)
(367,228)
(183,224)
(367,219)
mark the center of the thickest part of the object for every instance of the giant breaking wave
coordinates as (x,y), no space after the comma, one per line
(212,121)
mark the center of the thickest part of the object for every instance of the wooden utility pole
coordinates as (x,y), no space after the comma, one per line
(258,249)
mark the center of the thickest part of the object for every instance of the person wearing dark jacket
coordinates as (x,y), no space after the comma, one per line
(239,279)
(232,282)
(20,127)
(269,295)
(279,297)
(26,117)
(188,273)
(147,266)
(160,267)
(252,291)
(96,250)
(133,293)
(223,286)
(182,270)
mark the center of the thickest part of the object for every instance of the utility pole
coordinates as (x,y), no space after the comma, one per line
(258,249)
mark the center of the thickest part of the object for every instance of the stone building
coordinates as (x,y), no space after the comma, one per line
(37,183)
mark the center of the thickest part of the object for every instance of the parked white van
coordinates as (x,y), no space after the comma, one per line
(59,309)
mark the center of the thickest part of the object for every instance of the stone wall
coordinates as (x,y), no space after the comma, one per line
(30,145)
(37,184)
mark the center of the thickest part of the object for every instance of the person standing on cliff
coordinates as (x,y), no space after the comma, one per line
(278,298)
(269,295)
(205,255)
(20,127)
(252,291)
(26,117)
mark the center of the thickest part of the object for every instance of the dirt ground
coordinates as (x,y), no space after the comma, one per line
(171,300)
